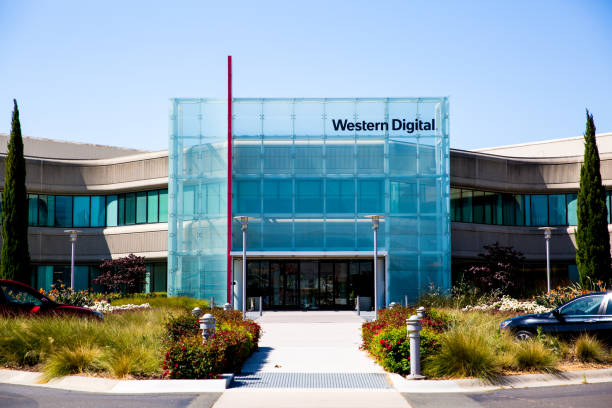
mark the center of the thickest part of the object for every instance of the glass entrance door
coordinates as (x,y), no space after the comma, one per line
(310,284)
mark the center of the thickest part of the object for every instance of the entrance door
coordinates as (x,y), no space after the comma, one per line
(326,284)
(309,285)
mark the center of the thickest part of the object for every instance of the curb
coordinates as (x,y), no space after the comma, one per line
(110,386)
(510,381)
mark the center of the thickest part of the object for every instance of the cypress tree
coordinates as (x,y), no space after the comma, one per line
(592,239)
(15,251)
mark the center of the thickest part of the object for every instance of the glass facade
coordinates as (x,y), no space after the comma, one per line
(487,207)
(97,211)
(309,180)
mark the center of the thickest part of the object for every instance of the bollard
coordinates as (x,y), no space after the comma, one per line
(227,307)
(392,305)
(260,306)
(413,327)
(421,312)
(358,307)
(406,300)
(207,324)
(212,302)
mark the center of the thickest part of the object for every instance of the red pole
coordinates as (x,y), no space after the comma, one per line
(230,283)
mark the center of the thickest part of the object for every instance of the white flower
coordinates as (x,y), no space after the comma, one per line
(508,304)
(105,307)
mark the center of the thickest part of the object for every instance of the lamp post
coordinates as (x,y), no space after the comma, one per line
(73,238)
(244,225)
(547,235)
(375,222)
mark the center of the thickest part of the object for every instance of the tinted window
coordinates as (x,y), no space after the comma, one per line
(583,306)
(63,211)
(609,307)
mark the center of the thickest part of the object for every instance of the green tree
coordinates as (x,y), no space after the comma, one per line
(592,239)
(15,251)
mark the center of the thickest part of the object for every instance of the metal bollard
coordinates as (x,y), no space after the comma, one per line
(406,300)
(227,307)
(393,304)
(207,324)
(413,327)
(212,302)
(421,312)
(260,306)
(358,307)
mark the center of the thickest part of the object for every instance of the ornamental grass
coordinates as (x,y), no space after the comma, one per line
(589,349)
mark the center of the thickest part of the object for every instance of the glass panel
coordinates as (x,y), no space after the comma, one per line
(455,203)
(527,208)
(519,207)
(341,284)
(63,211)
(584,306)
(309,195)
(111,211)
(370,196)
(32,209)
(326,283)
(97,211)
(556,209)
(44,278)
(479,207)
(539,210)
(130,208)
(189,195)
(46,210)
(509,210)
(340,196)
(163,205)
(81,211)
(572,208)
(121,209)
(466,206)
(141,207)
(309,288)
(248,197)
(152,206)
(277,196)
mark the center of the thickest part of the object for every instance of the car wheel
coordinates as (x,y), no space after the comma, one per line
(523,335)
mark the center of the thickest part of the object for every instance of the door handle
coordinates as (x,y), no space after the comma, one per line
(590,321)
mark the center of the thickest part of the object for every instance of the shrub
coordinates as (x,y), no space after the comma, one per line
(564,294)
(125,274)
(499,268)
(391,348)
(532,355)
(225,352)
(590,349)
(463,353)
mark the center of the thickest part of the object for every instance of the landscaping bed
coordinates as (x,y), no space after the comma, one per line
(459,343)
(139,342)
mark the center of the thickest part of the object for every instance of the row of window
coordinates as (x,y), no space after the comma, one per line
(43,276)
(485,207)
(98,211)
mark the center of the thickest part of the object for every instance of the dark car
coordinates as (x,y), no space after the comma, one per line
(590,313)
(18,299)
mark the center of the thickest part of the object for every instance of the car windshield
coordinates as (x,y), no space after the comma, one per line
(583,306)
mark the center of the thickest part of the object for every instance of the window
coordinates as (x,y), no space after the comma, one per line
(455,203)
(466,205)
(32,209)
(479,207)
(19,296)
(111,210)
(557,209)
(152,206)
(163,205)
(141,207)
(97,211)
(80,215)
(121,209)
(63,211)
(584,306)
(46,210)
(572,208)
(130,208)
(539,210)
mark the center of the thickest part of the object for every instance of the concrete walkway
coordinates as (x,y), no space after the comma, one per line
(325,343)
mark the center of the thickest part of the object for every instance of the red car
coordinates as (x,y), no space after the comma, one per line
(18,299)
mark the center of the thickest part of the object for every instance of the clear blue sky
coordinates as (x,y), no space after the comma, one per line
(515,71)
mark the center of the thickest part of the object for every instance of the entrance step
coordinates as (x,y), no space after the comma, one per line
(370,381)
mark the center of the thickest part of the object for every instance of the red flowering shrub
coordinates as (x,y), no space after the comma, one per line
(187,356)
(386,340)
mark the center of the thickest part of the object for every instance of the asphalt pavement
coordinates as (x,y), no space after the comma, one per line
(570,396)
(23,396)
